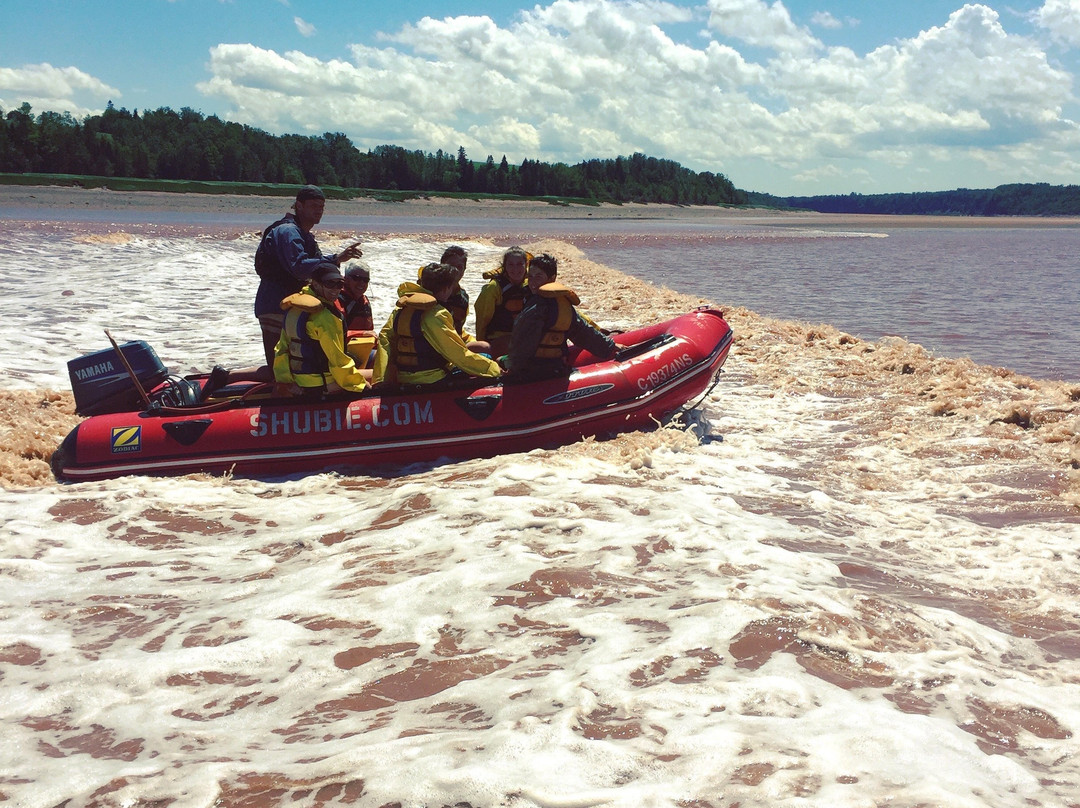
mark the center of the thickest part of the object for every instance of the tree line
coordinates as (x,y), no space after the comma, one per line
(166,145)
(1017,199)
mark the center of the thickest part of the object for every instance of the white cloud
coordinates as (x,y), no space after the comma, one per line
(45,78)
(760,24)
(305,28)
(60,89)
(1062,19)
(971,66)
(823,19)
(821,172)
(596,78)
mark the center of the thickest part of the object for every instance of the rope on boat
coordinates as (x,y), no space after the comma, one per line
(685,408)
(157,408)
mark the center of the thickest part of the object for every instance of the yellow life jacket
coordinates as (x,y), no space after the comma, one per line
(557,324)
(410,351)
(307,361)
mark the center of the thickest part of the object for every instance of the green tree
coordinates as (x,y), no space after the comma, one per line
(466,170)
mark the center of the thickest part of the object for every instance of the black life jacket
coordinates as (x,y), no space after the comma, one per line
(458,305)
(306,356)
(506,311)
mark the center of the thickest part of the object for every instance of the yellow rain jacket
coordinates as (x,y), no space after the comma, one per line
(419,344)
(311,351)
(458,306)
(498,305)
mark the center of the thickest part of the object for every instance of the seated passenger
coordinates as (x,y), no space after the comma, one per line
(458,302)
(538,344)
(419,344)
(354,303)
(310,355)
(501,300)
(353,298)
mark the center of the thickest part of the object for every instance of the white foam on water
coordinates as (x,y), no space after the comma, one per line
(791,611)
(190,298)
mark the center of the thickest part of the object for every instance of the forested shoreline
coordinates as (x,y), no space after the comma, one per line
(166,145)
(188,147)
(1015,199)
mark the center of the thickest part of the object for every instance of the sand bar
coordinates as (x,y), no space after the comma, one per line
(63,198)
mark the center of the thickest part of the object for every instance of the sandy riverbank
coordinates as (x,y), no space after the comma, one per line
(66,198)
(60,199)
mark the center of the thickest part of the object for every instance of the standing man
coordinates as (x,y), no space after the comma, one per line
(285,259)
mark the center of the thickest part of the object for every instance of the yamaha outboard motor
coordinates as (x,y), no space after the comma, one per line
(101,383)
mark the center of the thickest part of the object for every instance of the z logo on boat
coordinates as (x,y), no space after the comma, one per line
(126,439)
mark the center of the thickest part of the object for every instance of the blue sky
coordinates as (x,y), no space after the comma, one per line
(783,96)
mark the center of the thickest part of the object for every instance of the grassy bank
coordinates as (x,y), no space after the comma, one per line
(263,189)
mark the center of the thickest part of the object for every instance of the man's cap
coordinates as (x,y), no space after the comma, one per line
(326,271)
(310,192)
(358,272)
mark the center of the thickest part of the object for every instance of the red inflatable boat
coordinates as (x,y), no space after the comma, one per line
(246,431)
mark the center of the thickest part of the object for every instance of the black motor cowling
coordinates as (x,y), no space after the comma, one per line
(102,384)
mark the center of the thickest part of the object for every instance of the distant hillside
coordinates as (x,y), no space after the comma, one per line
(164,145)
(1032,199)
(187,147)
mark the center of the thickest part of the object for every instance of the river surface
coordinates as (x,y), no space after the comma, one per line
(831,591)
(1003,295)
